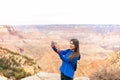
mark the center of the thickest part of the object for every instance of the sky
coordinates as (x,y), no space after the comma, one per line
(27,12)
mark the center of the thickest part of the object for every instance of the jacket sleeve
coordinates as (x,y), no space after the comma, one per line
(56,50)
(67,59)
(63,52)
(64,58)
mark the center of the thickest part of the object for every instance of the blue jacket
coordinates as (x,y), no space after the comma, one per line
(67,67)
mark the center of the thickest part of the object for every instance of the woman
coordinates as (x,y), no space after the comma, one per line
(69,59)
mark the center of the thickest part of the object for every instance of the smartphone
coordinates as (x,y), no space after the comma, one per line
(54,43)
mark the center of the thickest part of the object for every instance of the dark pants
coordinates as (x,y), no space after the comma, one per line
(63,77)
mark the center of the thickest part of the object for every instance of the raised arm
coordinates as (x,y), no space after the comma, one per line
(54,47)
(60,52)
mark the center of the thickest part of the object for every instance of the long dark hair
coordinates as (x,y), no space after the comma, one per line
(76,49)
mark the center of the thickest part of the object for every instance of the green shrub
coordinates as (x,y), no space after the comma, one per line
(3,64)
(1,69)
(19,75)
(11,68)
(8,74)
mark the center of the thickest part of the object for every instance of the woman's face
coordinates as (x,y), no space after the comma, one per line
(72,46)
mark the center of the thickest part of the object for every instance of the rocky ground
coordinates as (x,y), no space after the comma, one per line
(50,76)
